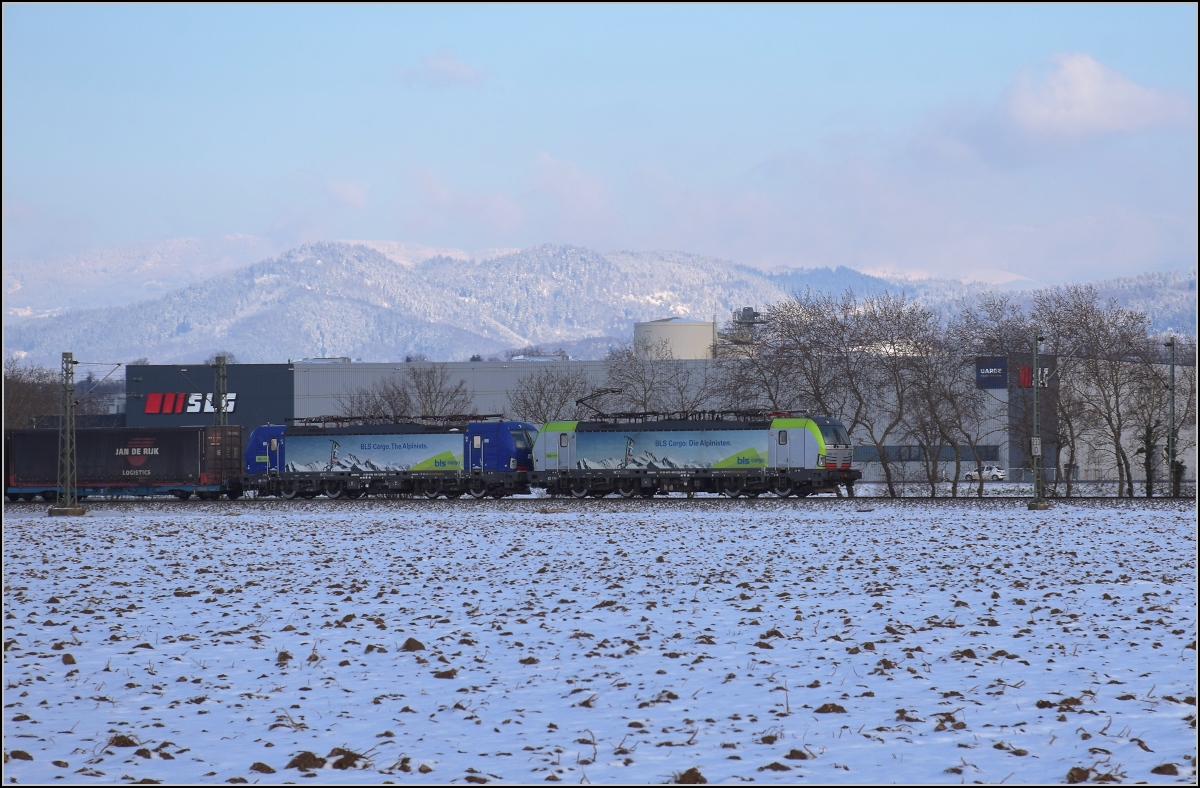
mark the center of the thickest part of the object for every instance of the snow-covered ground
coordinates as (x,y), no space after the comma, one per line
(862,642)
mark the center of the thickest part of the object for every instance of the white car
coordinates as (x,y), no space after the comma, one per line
(993,472)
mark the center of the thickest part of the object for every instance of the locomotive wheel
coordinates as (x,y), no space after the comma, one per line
(478,488)
(627,488)
(12,497)
(288,491)
(208,496)
(183,496)
(783,489)
(734,488)
(430,491)
(354,494)
(580,488)
(648,492)
(599,493)
(334,490)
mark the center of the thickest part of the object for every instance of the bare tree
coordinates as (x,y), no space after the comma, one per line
(808,339)
(433,395)
(1099,344)
(990,325)
(230,358)
(422,391)
(533,350)
(549,394)
(637,372)
(386,398)
(687,386)
(757,364)
(1149,408)
(874,344)
(29,392)
(1185,406)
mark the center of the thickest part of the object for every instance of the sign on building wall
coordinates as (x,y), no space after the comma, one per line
(178,395)
(1026,377)
(991,372)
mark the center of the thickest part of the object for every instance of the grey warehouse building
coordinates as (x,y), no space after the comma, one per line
(178,395)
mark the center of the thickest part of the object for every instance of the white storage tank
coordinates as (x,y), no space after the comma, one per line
(684,338)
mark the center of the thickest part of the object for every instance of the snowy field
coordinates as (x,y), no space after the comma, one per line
(601,641)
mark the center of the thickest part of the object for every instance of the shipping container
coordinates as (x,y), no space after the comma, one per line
(179,461)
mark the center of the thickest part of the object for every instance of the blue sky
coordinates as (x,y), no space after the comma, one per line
(1026,142)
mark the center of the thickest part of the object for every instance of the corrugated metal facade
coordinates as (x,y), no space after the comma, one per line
(321,388)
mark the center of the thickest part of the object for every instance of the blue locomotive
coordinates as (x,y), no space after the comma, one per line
(334,459)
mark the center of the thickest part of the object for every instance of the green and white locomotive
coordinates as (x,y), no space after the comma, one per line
(783,454)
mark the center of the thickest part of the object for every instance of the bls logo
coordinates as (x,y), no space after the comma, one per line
(172,402)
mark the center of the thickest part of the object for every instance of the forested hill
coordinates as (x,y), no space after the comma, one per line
(360,301)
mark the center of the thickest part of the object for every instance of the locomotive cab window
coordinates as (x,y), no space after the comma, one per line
(274,444)
(783,437)
(562,440)
(520,439)
(477,442)
(835,434)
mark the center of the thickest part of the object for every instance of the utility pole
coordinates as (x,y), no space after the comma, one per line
(220,393)
(1035,440)
(1171,427)
(67,504)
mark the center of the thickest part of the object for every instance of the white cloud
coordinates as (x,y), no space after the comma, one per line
(440,69)
(1081,96)
(477,217)
(581,206)
(350,193)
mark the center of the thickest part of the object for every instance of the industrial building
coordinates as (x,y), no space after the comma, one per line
(179,395)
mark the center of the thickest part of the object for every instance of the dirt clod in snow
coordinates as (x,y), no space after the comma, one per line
(306,761)
(690,777)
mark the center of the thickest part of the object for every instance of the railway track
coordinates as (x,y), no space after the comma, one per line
(535,504)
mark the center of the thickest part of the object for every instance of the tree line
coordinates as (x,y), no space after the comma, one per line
(898,375)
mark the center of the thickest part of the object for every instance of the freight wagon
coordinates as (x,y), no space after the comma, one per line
(476,458)
(179,461)
(785,455)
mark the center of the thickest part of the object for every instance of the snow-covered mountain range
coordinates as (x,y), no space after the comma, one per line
(381,301)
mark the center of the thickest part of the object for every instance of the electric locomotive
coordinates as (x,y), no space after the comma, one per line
(786,454)
(337,459)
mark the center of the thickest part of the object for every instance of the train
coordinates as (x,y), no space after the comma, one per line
(782,454)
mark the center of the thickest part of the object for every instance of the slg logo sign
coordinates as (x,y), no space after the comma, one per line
(179,402)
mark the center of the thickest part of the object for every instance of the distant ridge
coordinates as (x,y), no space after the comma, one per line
(382,301)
